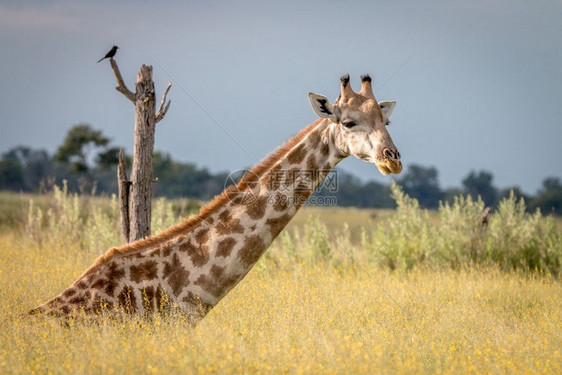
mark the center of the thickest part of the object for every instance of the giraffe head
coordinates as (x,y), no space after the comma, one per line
(359,125)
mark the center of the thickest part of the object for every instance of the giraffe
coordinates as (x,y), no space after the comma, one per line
(193,265)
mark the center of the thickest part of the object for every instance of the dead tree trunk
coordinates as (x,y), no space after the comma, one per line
(123,185)
(135,196)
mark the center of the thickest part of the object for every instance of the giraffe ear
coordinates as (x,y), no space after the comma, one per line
(322,106)
(387,108)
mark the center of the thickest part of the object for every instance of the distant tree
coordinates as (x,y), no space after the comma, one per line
(33,166)
(177,179)
(12,167)
(422,183)
(76,148)
(38,166)
(108,158)
(11,175)
(551,183)
(18,153)
(549,198)
(377,195)
(480,184)
(348,190)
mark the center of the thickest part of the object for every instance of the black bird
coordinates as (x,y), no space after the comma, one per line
(110,54)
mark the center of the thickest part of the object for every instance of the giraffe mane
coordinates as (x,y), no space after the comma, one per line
(218,201)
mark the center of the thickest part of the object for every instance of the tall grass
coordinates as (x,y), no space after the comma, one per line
(91,223)
(409,291)
(304,319)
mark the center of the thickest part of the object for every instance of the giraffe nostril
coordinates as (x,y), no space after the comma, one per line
(388,153)
(391,153)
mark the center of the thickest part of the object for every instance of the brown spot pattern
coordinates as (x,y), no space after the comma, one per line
(176,275)
(99,284)
(78,300)
(110,288)
(224,247)
(228,224)
(256,209)
(114,272)
(324,148)
(296,155)
(161,299)
(280,202)
(153,299)
(199,255)
(166,250)
(278,224)
(144,271)
(114,275)
(225,216)
(202,236)
(148,298)
(217,283)
(314,138)
(127,299)
(252,249)
(311,162)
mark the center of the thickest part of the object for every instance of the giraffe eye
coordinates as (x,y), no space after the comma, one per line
(387,123)
(349,124)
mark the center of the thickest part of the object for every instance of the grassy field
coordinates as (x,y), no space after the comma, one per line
(328,297)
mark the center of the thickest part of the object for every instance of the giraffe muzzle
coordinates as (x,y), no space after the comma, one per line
(391,162)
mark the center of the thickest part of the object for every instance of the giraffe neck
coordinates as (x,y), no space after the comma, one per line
(198,262)
(243,229)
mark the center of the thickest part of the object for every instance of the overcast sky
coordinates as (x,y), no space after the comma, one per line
(478,84)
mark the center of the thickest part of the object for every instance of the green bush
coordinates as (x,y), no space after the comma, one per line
(518,240)
(457,236)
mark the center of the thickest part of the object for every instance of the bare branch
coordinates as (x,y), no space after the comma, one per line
(121,87)
(162,110)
